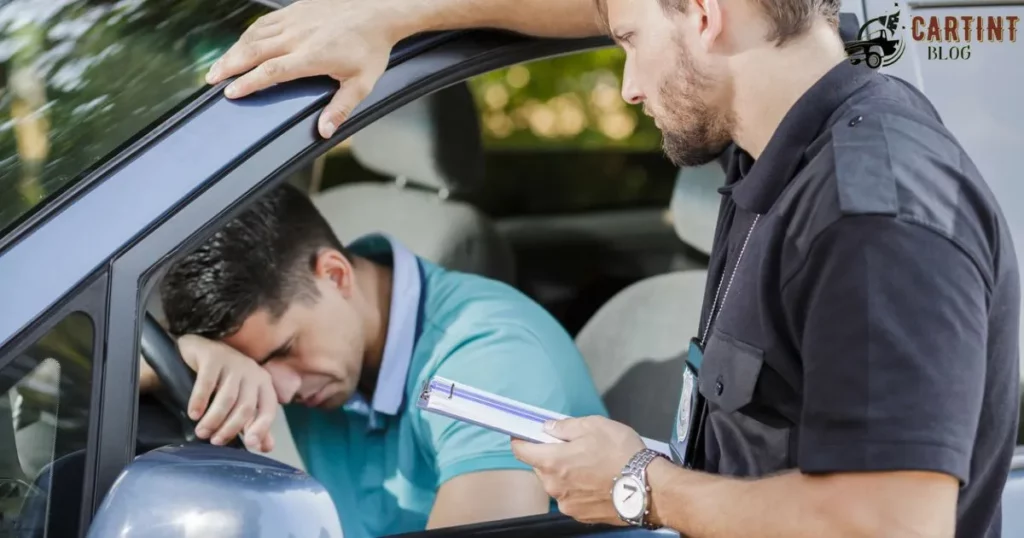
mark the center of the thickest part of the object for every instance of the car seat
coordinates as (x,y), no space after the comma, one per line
(432,148)
(636,343)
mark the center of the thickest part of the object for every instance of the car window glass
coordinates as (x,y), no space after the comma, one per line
(79,79)
(44,421)
(557,139)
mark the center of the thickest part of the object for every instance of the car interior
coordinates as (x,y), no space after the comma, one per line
(627,284)
(634,340)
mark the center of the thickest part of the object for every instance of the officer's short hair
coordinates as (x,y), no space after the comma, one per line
(788,18)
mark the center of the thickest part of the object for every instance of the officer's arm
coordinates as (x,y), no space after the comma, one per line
(488,496)
(794,505)
(554,18)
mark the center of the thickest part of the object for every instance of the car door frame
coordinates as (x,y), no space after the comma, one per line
(205,173)
(88,298)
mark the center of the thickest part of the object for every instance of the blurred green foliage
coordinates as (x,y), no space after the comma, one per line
(570,101)
(560,139)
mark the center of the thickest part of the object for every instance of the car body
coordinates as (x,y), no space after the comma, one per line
(78,269)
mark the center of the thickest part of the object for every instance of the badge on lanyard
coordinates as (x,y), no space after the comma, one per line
(687,443)
(691,403)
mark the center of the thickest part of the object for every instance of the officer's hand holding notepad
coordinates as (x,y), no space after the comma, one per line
(488,410)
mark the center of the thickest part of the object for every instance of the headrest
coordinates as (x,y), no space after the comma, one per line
(433,142)
(695,203)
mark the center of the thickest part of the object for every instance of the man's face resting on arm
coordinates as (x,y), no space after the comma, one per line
(266,312)
(273,309)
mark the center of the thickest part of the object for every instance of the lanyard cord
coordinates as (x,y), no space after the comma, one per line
(714,312)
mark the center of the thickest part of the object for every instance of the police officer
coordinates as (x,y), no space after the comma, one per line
(855,372)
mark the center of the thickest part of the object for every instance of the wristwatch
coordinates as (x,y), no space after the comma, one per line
(631,495)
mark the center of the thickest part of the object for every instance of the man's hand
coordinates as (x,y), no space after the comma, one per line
(245,399)
(348,40)
(580,472)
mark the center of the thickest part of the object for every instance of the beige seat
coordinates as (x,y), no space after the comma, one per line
(433,150)
(636,343)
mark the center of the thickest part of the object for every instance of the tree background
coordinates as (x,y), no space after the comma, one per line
(567,102)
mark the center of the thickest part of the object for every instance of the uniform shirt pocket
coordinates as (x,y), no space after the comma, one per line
(740,445)
(729,372)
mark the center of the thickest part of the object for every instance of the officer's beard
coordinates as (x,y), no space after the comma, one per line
(693,132)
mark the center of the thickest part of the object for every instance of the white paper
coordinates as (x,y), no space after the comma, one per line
(475,406)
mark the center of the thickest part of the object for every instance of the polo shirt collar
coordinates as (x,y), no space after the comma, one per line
(764,180)
(406,289)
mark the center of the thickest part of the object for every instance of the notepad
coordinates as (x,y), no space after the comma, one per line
(495,412)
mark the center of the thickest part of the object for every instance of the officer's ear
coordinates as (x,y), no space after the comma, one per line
(709,13)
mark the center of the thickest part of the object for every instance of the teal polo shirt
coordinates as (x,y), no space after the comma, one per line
(383,460)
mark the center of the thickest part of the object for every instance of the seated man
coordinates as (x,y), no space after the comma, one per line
(348,335)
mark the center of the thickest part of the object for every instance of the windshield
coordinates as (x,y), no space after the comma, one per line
(81,78)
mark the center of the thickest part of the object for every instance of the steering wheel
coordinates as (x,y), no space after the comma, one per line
(176,377)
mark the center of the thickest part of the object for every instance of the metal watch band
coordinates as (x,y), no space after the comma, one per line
(638,463)
(637,466)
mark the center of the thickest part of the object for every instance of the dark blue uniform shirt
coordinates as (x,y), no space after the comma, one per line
(872,323)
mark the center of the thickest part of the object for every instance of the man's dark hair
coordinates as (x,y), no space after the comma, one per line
(261,259)
(789,18)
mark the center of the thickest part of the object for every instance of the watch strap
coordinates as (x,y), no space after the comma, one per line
(637,467)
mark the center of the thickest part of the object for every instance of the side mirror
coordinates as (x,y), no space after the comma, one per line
(194,490)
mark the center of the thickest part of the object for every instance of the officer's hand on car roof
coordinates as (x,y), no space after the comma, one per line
(348,40)
(245,399)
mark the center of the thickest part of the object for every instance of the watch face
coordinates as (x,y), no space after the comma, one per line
(628,496)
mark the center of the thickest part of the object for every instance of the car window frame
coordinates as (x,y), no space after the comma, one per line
(428,66)
(90,299)
(95,174)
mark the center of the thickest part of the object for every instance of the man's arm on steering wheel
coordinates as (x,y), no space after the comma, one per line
(245,399)
(148,380)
